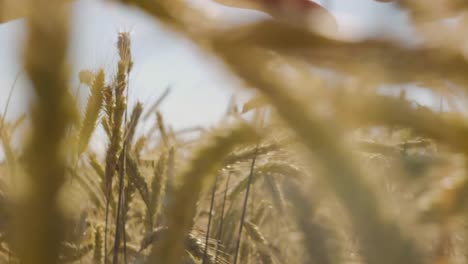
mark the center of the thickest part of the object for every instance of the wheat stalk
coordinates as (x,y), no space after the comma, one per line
(320,139)
(47,42)
(157,191)
(205,162)
(93,109)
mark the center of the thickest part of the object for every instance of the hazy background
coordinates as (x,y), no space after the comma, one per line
(200,87)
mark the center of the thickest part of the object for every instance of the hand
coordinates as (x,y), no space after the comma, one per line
(299,12)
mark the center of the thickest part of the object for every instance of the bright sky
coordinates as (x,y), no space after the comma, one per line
(201,89)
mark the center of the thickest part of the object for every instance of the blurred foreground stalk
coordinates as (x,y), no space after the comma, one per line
(381,239)
(39,222)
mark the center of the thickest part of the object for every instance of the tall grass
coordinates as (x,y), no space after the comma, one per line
(338,173)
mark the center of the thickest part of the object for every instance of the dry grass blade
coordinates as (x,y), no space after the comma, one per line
(156,104)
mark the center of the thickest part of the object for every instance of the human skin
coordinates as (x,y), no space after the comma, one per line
(298,12)
(303,12)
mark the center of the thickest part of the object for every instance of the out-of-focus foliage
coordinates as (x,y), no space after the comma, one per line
(308,171)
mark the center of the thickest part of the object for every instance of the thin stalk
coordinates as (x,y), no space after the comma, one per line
(106,226)
(120,224)
(260,115)
(244,207)
(3,120)
(220,231)
(126,142)
(205,253)
(7,104)
(124,234)
(158,102)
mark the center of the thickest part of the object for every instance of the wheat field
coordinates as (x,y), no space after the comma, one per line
(308,171)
